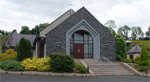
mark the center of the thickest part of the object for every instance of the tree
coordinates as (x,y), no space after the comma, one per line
(25,30)
(14,31)
(110,24)
(124,31)
(25,49)
(140,32)
(37,28)
(120,47)
(144,58)
(136,33)
(148,33)
(4,33)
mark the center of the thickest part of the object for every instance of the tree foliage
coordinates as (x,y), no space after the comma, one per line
(148,33)
(144,58)
(111,30)
(110,24)
(25,49)
(37,28)
(136,33)
(124,31)
(3,33)
(120,42)
(25,30)
(120,47)
(14,31)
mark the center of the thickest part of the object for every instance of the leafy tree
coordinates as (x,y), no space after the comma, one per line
(37,28)
(25,30)
(124,31)
(111,30)
(140,32)
(25,49)
(144,58)
(148,33)
(14,31)
(136,33)
(4,33)
(110,25)
(120,47)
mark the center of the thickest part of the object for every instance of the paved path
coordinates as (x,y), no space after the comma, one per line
(36,78)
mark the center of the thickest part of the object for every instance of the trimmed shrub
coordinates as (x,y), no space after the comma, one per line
(81,69)
(137,59)
(11,65)
(126,60)
(141,68)
(10,54)
(144,63)
(119,58)
(61,62)
(25,49)
(36,64)
(132,61)
(144,58)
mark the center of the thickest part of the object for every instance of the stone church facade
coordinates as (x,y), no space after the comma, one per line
(78,34)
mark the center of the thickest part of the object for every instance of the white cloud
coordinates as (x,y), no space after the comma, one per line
(16,13)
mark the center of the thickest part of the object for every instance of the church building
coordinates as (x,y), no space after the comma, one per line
(78,34)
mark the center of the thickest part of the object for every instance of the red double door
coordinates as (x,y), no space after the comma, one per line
(78,51)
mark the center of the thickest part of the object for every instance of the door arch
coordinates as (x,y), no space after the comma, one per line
(81,45)
(83,25)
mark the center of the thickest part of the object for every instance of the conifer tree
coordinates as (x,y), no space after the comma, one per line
(25,49)
(144,57)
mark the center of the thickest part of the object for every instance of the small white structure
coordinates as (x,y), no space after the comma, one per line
(135,51)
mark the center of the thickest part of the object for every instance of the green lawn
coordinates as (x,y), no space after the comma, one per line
(145,43)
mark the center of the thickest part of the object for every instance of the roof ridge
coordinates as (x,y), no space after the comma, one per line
(135,49)
(57,19)
(23,34)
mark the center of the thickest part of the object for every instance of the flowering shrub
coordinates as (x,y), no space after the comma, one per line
(36,64)
(10,54)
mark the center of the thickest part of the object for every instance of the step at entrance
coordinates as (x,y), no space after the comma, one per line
(105,68)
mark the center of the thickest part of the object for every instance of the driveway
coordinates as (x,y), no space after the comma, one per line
(36,78)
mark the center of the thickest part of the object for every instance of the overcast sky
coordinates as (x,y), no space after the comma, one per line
(16,13)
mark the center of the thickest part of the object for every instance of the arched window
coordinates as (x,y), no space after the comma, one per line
(84,38)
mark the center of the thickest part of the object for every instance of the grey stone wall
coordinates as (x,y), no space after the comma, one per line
(107,41)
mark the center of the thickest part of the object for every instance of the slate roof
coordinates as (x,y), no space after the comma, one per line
(71,11)
(135,49)
(83,11)
(15,38)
